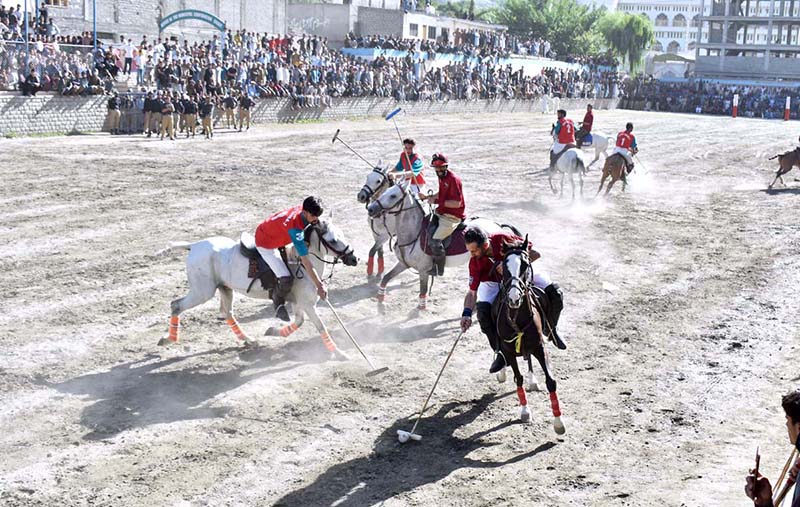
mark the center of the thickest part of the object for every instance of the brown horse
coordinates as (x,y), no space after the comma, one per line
(785,161)
(614,167)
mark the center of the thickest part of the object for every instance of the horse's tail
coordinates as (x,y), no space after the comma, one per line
(773,158)
(580,165)
(175,245)
(511,228)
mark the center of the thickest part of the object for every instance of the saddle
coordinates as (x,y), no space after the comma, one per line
(453,244)
(258,269)
(555,156)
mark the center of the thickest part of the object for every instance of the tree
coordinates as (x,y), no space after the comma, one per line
(567,25)
(628,35)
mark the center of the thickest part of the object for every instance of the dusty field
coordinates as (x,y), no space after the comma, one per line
(681,319)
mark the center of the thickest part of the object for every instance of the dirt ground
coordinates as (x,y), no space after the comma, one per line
(681,320)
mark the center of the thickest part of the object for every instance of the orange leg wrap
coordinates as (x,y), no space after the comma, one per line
(236,329)
(174,327)
(326,339)
(288,329)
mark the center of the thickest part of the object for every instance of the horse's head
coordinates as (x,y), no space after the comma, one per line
(377,180)
(330,242)
(388,201)
(516,271)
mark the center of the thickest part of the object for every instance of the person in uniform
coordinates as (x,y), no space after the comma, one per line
(245,104)
(410,164)
(167,126)
(626,146)
(449,212)
(565,130)
(114,113)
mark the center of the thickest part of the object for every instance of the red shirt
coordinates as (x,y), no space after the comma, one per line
(274,231)
(588,119)
(450,190)
(566,135)
(625,139)
(482,269)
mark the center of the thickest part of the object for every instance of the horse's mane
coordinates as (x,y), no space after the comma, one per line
(510,246)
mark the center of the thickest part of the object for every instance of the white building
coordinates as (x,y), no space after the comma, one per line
(676,22)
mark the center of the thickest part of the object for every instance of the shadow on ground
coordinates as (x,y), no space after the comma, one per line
(393,468)
(152,390)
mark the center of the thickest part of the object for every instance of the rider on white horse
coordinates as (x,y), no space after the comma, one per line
(449,212)
(486,252)
(586,126)
(411,165)
(565,130)
(626,144)
(278,231)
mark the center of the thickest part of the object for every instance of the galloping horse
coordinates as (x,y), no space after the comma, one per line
(569,163)
(614,167)
(378,180)
(410,227)
(218,263)
(520,314)
(786,161)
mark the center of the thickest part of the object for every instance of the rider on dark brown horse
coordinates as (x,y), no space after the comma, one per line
(485,264)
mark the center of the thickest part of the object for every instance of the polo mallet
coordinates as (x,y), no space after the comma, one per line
(640,163)
(375,371)
(357,154)
(402,435)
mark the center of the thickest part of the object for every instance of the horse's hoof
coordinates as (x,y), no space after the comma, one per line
(381,309)
(525,414)
(558,426)
(163,342)
(250,344)
(501,376)
(338,355)
(272,331)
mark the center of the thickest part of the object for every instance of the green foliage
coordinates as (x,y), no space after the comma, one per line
(462,9)
(567,25)
(628,35)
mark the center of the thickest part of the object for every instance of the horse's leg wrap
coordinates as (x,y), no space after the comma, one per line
(423,302)
(327,341)
(174,328)
(380,262)
(381,293)
(370,265)
(523,399)
(236,329)
(288,329)
(554,404)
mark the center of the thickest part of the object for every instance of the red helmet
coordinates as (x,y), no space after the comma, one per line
(439,160)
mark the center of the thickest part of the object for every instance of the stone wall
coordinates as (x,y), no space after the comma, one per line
(49,114)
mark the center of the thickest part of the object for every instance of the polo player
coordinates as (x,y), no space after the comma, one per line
(626,145)
(278,231)
(411,165)
(565,130)
(449,212)
(586,126)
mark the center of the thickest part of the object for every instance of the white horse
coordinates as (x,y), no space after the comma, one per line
(570,163)
(217,263)
(378,180)
(408,214)
(599,144)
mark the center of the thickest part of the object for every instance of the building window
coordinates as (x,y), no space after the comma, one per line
(679,20)
(691,46)
(432,32)
(673,47)
(696,21)
(57,3)
(661,20)
(413,29)
(658,47)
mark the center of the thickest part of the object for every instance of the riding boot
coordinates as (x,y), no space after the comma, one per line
(438,265)
(282,290)
(555,304)
(630,167)
(552,160)
(484,311)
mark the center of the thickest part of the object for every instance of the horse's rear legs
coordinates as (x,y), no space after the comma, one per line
(226,305)
(195,297)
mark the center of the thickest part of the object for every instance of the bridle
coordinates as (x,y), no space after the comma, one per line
(369,191)
(321,241)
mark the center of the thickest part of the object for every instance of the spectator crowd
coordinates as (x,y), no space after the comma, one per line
(698,96)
